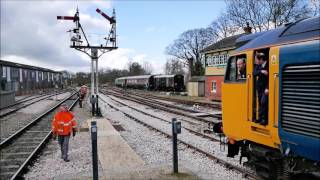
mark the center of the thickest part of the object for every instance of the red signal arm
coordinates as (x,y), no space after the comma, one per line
(110,19)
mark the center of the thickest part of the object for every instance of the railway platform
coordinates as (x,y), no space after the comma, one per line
(119,161)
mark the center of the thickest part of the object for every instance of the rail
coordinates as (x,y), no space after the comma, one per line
(10,142)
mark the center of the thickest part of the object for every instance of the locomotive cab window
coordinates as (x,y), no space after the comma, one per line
(236,69)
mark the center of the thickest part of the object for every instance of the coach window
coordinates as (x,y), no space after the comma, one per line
(4,71)
(236,69)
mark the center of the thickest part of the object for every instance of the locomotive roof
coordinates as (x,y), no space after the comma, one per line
(300,30)
(18,65)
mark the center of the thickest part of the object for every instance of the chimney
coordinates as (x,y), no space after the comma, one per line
(247,29)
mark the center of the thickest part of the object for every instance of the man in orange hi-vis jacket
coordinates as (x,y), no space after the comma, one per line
(63,125)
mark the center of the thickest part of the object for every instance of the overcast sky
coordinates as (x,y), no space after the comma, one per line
(31,34)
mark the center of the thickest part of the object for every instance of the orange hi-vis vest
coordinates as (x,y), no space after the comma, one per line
(63,123)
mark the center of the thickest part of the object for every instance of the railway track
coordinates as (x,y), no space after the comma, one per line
(211,156)
(5,111)
(167,107)
(19,150)
(165,120)
(155,99)
(216,104)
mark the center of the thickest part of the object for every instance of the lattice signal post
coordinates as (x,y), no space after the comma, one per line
(94,52)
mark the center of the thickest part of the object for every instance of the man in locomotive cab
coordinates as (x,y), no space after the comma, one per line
(261,71)
(241,66)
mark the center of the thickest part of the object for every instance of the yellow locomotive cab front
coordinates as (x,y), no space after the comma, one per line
(239,100)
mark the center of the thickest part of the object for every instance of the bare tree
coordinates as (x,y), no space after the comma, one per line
(283,11)
(147,67)
(314,6)
(173,66)
(223,27)
(266,14)
(135,69)
(252,11)
(188,46)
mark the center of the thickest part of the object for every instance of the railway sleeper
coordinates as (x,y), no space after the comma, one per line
(16,161)
(6,174)
(9,168)
(17,149)
(16,155)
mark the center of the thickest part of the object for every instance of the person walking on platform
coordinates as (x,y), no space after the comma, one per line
(261,71)
(63,125)
(81,98)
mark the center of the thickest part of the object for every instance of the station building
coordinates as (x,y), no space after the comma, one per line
(216,56)
(25,79)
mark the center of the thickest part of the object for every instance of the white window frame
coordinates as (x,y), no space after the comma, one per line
(214,86)
(216,60)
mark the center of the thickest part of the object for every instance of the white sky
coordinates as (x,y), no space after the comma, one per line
(31,34)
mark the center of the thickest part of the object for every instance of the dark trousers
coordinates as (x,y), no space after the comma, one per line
(263,106)
(80,103)
(64,145)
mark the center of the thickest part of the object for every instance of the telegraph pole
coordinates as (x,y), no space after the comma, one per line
(94,52)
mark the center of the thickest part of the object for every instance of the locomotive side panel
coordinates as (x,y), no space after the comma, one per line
(299,112)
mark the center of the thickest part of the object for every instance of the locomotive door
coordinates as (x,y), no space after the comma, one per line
(260,87)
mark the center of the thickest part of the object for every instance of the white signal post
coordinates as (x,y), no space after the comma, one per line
(92,51)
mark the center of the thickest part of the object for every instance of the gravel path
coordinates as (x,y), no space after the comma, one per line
(154,148)
(51,166)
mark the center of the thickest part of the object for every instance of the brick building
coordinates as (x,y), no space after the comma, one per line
(216,56)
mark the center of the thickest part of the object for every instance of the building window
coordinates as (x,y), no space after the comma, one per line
(217,60)
(214,86)
(225,59)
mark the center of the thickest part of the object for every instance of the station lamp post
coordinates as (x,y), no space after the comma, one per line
(94,52)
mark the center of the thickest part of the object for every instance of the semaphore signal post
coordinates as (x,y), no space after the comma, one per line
(94,52)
